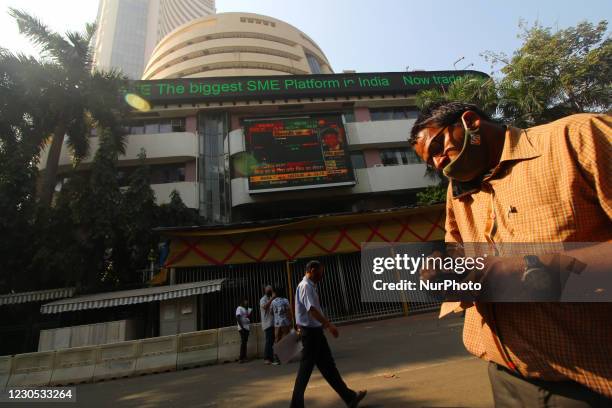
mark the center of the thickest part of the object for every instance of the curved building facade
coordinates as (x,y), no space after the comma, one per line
(175,13)
(235,44)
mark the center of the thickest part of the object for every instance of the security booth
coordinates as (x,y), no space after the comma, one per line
(127,314)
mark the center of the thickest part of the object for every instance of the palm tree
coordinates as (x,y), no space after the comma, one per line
(77,98)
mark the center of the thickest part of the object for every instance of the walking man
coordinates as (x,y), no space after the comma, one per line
(267,323)
(549,183)
(243,318)
(311,322)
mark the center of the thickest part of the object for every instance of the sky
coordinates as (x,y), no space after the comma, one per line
(367,35)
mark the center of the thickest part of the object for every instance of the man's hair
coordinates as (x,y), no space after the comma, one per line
(442,114)
(313,265)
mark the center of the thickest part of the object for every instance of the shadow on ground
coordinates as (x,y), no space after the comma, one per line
(416,361)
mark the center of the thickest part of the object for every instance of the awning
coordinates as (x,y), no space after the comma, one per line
(306,238)
(132,297)
(35,296)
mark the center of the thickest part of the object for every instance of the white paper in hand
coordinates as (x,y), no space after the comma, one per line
(288,348)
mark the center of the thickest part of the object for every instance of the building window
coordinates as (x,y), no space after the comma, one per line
(151,127)
(393,113)
(172,173)
(358,160)
(313,63)
(157,126)
(396,157)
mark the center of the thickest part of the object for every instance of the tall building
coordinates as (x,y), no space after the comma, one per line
(128,30)
(121,35)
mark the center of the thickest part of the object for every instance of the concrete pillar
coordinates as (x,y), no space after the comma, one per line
(362,114)
(235,122)
(190,170)
(371,157)
(191,124)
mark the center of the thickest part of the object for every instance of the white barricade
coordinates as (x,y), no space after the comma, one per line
(5,370)
(157,354)
(256,337)
(74,365)
(229,343)
(33,369)
(116,360)
(197,349)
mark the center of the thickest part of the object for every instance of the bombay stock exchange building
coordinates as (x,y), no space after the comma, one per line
(280,170)
(263,228)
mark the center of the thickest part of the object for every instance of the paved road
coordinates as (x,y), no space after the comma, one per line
(417,361)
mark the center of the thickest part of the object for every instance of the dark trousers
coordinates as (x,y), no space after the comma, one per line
(244,339)
(268,348)
(510,390)
(316,352)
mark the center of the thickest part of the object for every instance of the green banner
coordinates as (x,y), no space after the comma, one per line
(292,86)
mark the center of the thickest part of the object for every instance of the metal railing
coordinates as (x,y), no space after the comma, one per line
(340,291)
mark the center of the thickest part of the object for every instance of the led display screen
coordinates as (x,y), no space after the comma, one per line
(297,153)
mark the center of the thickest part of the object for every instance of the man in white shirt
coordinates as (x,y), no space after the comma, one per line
(311,321)
(243,318)
(267,323)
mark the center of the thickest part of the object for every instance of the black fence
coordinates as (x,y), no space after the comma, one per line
(339,292)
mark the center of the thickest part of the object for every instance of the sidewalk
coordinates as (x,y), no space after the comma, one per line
(403,362)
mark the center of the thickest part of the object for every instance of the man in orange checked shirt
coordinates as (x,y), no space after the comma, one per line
(546,184)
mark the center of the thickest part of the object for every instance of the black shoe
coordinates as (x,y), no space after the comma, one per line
(360,395)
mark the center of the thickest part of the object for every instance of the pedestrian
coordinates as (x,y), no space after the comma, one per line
(267,323)
(311,322)
(549,183)
(283,319)
(243,318)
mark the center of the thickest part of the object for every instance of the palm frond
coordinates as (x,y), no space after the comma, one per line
(50,43)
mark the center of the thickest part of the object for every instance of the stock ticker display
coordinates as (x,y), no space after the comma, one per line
(297,153)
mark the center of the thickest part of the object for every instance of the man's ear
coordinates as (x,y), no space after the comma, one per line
(471,119)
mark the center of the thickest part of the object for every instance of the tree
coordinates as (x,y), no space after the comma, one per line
(551,75)
(77,98)
(140,212)
(555,74)
(477,90)
(176,213)
(22,124)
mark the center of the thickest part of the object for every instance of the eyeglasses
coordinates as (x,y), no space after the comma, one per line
(435,147)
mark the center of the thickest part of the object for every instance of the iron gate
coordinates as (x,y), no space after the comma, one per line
(339,292)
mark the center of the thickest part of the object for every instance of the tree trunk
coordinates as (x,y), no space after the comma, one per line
(50,172)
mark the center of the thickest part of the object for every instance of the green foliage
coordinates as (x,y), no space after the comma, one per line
(176,213)
(432,195)
(552,75)
(74,98)
(472,89)
(555,74)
